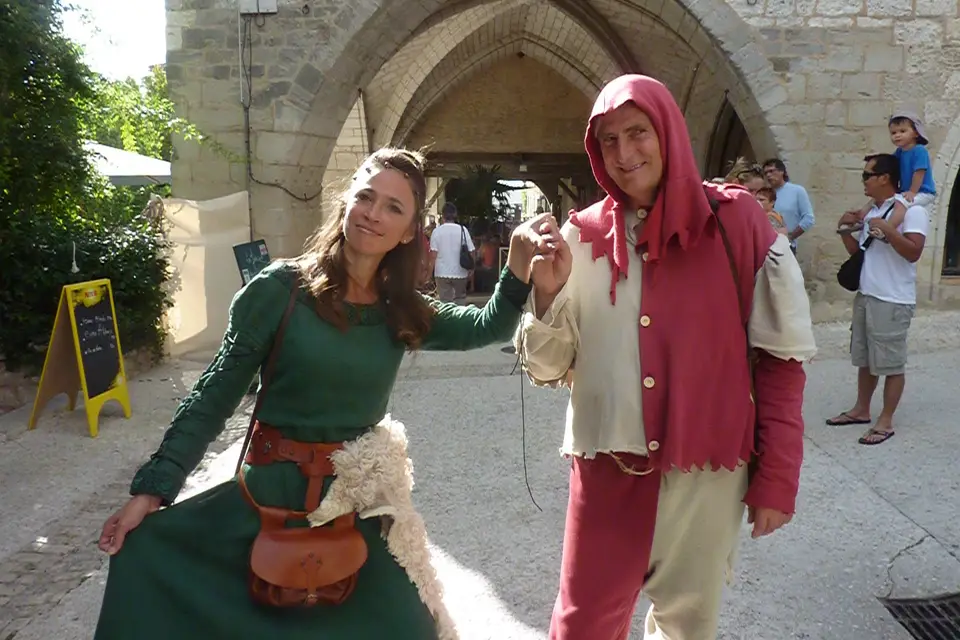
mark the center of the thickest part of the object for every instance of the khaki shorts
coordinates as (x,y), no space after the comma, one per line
(878,335)
(452,289)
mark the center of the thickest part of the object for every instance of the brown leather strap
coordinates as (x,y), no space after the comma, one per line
(735,272)
(268,445)
(276,518)
(270,517)
(267,369)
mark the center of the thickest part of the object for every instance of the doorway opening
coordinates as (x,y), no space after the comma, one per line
(728,142)
(951,242)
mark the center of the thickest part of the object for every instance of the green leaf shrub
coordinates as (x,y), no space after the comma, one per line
(41,253)
(50,200)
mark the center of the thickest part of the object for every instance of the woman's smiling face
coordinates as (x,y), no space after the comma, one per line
(380,211)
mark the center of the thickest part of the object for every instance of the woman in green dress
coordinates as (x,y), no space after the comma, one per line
(181,571)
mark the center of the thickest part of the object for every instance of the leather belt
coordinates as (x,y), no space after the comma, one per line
(267,446)
(643,467)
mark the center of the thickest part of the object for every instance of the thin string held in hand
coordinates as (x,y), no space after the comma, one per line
(523,429)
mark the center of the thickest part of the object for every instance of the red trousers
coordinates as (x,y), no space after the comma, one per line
(611,552)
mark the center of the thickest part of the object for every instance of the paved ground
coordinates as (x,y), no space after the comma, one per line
(872,520)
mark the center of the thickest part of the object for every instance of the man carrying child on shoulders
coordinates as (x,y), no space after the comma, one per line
(886,300)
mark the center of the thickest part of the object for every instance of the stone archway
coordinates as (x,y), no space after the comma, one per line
(728,142)
(756,88)
(447,79)
(480,26)
(307,64)
(500,108)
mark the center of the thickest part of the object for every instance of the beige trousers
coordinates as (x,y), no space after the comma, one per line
(694,549)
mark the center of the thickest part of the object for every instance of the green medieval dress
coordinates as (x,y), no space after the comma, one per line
(182,574)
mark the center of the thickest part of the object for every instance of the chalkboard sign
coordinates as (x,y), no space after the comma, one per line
(251,257)
(98,344)
(84,353)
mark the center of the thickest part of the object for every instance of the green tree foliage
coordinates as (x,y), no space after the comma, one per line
(43,87)
(480,194)
(55,213)
(137,117)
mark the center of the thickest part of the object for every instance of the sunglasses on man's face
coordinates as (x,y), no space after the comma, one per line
(866,175)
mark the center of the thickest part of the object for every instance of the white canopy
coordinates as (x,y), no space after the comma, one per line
(125,168)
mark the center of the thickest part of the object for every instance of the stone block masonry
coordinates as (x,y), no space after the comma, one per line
(849,64)
(813,81)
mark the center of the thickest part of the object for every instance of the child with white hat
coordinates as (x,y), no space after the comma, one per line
(916,171)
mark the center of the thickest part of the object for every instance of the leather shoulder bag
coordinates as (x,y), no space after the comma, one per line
(298,566)
(744,321)
(849,273)
(466,257)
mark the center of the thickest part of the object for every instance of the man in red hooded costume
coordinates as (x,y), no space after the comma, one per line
(679,320)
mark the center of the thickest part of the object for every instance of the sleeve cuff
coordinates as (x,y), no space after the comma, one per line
(159,477)
(762,496)
(552,315)
(513,289)
(780,321)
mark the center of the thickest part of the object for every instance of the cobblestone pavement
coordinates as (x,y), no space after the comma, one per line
(872,519)
(36,576)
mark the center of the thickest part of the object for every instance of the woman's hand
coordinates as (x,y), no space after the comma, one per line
(551,269)
(117,526)
(550,262)
(536,237)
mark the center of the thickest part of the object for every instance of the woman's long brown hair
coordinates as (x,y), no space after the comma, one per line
(323,265)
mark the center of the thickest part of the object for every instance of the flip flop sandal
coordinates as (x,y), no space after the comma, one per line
(884,436)
(849,420)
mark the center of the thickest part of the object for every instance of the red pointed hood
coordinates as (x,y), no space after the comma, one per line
(681,209)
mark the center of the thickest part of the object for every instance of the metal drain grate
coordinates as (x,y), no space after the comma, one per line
(927,618)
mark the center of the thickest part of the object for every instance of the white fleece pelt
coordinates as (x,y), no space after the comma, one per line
(374,477)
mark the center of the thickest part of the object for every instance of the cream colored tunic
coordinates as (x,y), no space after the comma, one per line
(582,330)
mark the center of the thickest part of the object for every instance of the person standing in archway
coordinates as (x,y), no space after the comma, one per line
(643,309)
(447,243)
(793,201)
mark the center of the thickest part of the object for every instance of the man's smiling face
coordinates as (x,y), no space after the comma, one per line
(631,153)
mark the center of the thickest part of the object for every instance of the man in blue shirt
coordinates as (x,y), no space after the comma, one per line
(793,203)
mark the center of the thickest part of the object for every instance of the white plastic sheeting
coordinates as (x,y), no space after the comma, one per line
(125,168)
(205,276)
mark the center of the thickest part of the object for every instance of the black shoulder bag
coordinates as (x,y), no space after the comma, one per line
(466,257)
(849,273)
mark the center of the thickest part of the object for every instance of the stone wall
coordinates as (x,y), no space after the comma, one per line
(515,105)
(847,65)
(353,145)
(812,79)
(206,83)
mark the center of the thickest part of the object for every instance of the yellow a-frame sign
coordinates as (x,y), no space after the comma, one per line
(84,353)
